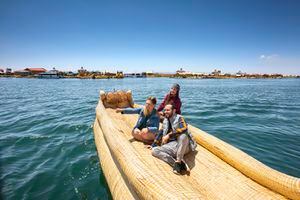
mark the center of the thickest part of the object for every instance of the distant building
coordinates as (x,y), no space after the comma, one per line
(198,74)
(183,72)
(22,72)
(216,72)
(180,71)
(1,71)
(34,71)
(8,71)
(70,73)
(30,71)
(49,74)
(240,73)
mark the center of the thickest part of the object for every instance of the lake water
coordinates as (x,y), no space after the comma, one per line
(47,144)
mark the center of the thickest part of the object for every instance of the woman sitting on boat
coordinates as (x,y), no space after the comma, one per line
(147,125)
(171,98)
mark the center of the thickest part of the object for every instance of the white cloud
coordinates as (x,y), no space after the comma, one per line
(268,57)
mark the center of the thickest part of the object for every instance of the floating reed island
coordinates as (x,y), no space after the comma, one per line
(218,170)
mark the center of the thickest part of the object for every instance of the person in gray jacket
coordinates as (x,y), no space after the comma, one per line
(175,139)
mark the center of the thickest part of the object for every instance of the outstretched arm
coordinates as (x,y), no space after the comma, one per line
(129,110)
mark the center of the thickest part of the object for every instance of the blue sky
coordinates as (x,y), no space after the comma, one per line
(161,35)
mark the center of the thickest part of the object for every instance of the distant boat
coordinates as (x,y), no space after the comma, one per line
(52,74)
(218,170)
(135,75)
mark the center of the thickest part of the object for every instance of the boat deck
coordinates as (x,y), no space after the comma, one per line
(210,176)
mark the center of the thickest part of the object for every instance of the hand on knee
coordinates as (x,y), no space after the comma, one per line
(144,133)
(145,130)
(136,132)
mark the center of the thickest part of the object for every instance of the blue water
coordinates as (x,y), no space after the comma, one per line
(47,144)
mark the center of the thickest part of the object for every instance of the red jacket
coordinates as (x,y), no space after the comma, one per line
(173,100)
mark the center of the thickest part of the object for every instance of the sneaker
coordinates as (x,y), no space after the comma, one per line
(177,168)
(184,166)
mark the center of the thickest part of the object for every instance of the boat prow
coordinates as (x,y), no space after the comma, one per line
(218,170)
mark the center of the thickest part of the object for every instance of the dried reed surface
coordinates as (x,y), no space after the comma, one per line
(219,171)
(120,189)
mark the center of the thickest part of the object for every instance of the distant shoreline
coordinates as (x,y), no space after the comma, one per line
(160,76)
(85,74)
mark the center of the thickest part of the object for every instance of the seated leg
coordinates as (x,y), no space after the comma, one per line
(166,152)
(147,136)
(182,147)
(136,133)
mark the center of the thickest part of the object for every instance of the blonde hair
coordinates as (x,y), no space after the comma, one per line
(146,111)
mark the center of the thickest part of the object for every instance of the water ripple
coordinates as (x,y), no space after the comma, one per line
(47,145)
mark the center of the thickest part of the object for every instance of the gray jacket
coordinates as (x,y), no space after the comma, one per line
(178,127)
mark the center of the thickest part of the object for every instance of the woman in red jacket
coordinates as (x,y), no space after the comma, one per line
(171,98)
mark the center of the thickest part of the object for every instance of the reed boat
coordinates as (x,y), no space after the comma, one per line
(218,170)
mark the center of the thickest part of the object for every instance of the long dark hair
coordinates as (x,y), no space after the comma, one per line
(177,93)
